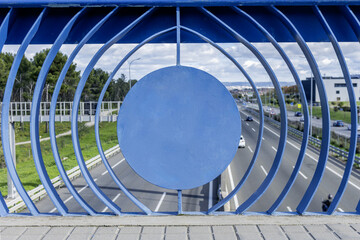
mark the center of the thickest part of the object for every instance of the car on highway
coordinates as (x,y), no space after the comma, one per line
(302,119)
(298,114)
(241,142)
(249,119)
(338,123)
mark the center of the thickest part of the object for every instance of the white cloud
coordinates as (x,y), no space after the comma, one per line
(207,58)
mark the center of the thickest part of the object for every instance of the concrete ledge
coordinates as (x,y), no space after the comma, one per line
(57,221)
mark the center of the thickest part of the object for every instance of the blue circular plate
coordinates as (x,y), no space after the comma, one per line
(179,127)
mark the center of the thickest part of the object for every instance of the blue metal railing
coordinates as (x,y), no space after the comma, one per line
(143,22)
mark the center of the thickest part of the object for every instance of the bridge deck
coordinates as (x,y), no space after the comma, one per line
(183,227)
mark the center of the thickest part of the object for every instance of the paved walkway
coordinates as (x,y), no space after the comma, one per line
(181,227)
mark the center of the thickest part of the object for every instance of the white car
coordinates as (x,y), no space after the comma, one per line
(241,142)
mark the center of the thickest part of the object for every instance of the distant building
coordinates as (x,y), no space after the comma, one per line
(335,89)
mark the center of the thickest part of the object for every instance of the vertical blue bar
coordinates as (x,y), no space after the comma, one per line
(34,117)
(178,36)
(353,109)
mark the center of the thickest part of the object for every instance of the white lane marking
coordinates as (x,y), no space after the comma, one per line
(263,139)
(330,169)
(274,148)
(82,189)
(118,163)
(340,210)
(232,187)
(250,149)
(253,129)
(210,202)
(263,170)
(160,202)
(247,124)
(106,171)
(289,209)
(303,175)
(69,198)
(116,197)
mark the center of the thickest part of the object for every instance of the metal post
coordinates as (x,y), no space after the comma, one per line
(179,202)
(11,187)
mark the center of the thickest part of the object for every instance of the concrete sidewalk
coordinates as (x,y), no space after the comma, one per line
(181,227)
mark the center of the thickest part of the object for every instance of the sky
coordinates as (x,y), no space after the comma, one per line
(205,57)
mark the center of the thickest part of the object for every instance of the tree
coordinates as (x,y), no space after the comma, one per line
(71,80)
(94,85)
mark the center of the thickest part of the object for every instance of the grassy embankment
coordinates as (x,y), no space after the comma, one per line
(25,164)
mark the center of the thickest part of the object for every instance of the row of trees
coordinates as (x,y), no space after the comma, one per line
(30,68)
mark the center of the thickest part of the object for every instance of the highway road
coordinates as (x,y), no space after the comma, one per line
(199,199)
(156,198)
(329,184)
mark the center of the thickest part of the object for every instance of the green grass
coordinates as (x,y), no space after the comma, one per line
(25,164)
(22,130)
(316,111)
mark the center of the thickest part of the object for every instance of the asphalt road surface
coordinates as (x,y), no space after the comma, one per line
(156,198)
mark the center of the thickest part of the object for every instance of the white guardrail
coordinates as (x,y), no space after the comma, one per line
(39,192)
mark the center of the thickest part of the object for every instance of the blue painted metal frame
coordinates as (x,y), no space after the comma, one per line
(166,3)
(97,120)
(5,115)
(74,116)
(286,22)
(283,132)
(315,181)
(352,99)
(3,34)
(304,143)
(35,113)
(56,92)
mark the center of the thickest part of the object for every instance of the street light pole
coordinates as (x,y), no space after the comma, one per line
(129,70)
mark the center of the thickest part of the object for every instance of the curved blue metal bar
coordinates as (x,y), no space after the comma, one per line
(74,116)
(3,35)
(353,109)
(54,98)
(305,139)
(97,118)
(355,25)
(325,142)
(283,131)
(5,115)
(34,117)
(352,19)
(261,126)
